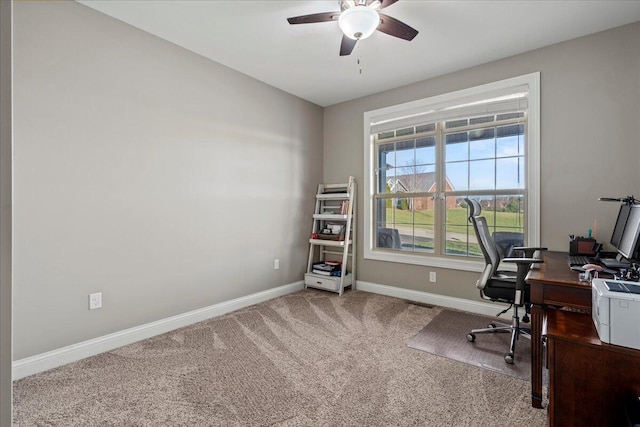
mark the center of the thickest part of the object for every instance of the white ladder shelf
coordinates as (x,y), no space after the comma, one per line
(333,237)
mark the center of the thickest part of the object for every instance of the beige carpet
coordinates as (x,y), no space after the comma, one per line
(446,336)
(311,358)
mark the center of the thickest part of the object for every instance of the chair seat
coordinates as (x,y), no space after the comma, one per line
(505,274)
(503,289)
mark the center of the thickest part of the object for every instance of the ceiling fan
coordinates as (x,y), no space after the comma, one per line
(358,19)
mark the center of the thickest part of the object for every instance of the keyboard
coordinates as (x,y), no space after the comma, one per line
(580,260)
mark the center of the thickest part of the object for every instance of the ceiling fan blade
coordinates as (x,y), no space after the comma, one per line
(347,45)
(387,3)
(315,17)
(379,4)
(393,27)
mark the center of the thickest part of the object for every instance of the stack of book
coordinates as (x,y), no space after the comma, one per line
(328,268)
(344,207)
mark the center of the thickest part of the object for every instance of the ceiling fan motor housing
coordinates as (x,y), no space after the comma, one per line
(359,22)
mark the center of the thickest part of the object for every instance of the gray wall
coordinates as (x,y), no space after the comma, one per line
(164,180)
(5,213)
(170,183)
(590,141)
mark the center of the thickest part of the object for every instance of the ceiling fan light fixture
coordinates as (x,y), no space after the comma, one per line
(359,22)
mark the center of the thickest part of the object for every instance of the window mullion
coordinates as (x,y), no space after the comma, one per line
(438,211)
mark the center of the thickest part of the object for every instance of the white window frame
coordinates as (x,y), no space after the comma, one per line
(532,81)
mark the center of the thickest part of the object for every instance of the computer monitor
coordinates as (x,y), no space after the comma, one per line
(618,229)
(629,239)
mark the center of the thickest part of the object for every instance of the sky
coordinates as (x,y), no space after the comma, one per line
(481,162)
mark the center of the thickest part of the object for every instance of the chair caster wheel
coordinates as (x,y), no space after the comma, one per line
(492,325)
(471,337)
(509,358)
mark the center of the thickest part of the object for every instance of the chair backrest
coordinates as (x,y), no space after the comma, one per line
(506,241)
(389,238)
(488,246)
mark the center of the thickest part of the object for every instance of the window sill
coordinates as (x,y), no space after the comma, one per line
(428,261)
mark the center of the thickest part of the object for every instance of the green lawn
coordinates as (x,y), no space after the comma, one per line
(453,247)
(505,221)
(457,227)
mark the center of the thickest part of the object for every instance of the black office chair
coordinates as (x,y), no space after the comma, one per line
(389,238)
(506,241)
(502,286)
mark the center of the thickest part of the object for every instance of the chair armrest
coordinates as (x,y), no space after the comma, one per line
(524,248)
(523,265)
(523,260)
(529,250)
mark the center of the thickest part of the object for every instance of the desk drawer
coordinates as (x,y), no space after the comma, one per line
(569,297)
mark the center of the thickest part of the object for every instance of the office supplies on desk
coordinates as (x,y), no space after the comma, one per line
(582,246)
(583,268)
(589,272)
(628,274)
(615,313)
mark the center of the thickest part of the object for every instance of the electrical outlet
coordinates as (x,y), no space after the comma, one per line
(432,276)
(276,264)
(95,300)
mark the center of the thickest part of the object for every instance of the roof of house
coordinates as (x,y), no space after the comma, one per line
(420,182)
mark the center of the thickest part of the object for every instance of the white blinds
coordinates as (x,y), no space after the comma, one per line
(505,100)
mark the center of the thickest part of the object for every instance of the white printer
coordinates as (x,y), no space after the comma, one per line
(616,311)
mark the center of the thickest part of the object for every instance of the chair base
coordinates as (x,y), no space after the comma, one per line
(514,328)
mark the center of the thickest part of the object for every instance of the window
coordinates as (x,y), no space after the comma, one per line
(424,158)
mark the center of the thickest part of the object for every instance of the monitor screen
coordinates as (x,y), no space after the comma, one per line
(623,215)
(629,238)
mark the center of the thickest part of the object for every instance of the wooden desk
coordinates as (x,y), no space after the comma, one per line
(553,284)
(589,380)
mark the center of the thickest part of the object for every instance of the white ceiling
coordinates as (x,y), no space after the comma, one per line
(254,37)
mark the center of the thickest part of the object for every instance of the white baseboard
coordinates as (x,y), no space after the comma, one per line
(62,356)
(52,359)
(478,307)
